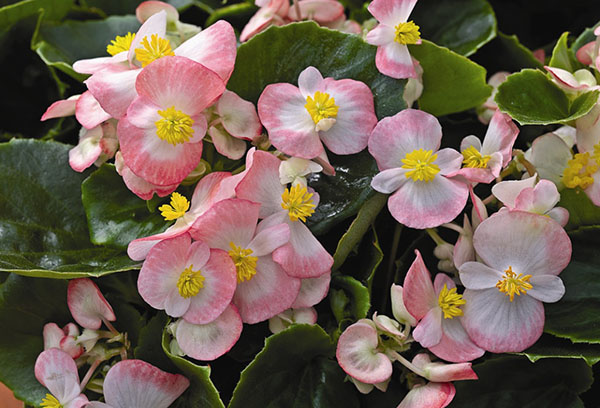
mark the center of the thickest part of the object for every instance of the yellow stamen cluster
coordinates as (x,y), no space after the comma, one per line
(579,171)
(175,127)
(190,282)
(514,285)
(420,162)
(474,159)
(450,302)
(407,33)
(50,402)
(321,107)
(298,202)
(179,205)
(120,44)
(152,50)
(244,262)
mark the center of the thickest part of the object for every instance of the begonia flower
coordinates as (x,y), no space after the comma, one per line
(299,120)
(137,185)
(87,305)
(270,12)
(405,147)
(577,82)
(442,372)
(521,255)
(321,11)
(64,339)
(285,319)
(57,371)
(431,395)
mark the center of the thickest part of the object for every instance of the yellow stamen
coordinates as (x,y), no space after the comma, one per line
(450,302)
(190,282)
(151,51)
(514,285)
(596,155)
(474,159)
(179,205)
(579,171)
(50,402)
(422,166)
(321,107)
(120,44)
(407,33)
(244,262)
(297,200)
(175,127)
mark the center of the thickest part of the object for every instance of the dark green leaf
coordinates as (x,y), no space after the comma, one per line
(516,54)
(149,343)
(349,298)
(553,347)
(585,37)
(563,57)
(582,212)
(51,9)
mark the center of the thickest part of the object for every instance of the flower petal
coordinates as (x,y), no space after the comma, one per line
(507,191)
(269,239)
(381,35)
(440,372)
(312,291)
(57,371)
(114,89)
(226,144)
(238,116)
(456,345)
(391,12)
(390,180)
(431,395)
(140,187)
(418,294)
(87,305)
(546,288)
(429,330)
(500,137)
(394,60)
(475,275)
(309,81)
(89,112)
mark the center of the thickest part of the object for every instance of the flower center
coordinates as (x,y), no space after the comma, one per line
(579,171)
(50,402)
(151,51)
(298,201)
(321,107)
(514,285)
(244,262)
(407,33)
(450,302)
(190,282)
(179,205)
(120,44)
(420,162)
(175,127)
(474,159)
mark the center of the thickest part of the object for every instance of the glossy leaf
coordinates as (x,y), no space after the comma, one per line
(563,57)
(349,299)
(553,347)
(51,10)
(517,55)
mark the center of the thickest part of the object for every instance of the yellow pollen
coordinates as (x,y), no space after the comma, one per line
(407,33)
(190,282)
(422,166)
(450,302)
(50,402)
(321,107)
(474,159)
(514,285)
(179,205)
(579,171)
(596,155)
(120,44)
(244,262)
(151,51)
(175,127)
(297,200)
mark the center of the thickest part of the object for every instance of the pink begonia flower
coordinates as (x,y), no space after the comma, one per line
(207,192)
(293,170)
(140,187)
(312,291)
(282,321)
(57,371)
(344,25)
(405,147)
(135,383)
(64,339)
(588,54)
(580,81)
(388,326)
(263,288)
(358,355)
(270,12)
(338,113)
(441,372)
(161,136)
(482,162)
(87,305)
(438,309)
(187,279)
(209,341)
(321,11)
(303,256)
(392,36)
(486,111)
(521,255)
(398,309)
(431,395)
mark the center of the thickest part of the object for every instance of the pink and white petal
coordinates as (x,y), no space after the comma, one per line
(199,128)
(470,141)
(391,12)
(321,11)
(546,288)
(57,371)
(560,215)
(312,291)
(156,24)
(143,113)
(309,81)
(356,354)
(61,109)
(140,187)
(93,65)
(565,80)
(238,116)
(257,23)
(418,293)
(550,156)
(150,7)
(87,305)
(393,60)
(585,53)
(52,335)
(269,292)
(429,330)
(401,314)
(114,89)
(288,123)
(210,341)
(79,402)
(87,150)
(69,345)
(269,239)
(448,160)
(500,137)
(214,47)
(209,191)
(474,175)
(475,275)
(456,345)
(135,383)
(463,249)
(283,320)
(588,134)
(440,280)
(540,199)
(226,144)
(387,325)
(593,191)
(441,372)
(175,304)
(507,191)
(394,137)
(89,112)
(381,35)
(390,180)
(431,395)
(498,325)
(323,161)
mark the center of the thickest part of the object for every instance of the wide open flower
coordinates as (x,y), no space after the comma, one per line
(187,280)
(392,36)
(339,113)
(438,308)
(161,136)
(57,371)
(405,147)
(87,305)
(522,254)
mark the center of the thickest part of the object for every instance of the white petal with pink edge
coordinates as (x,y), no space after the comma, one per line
(475,275)
(431,395)
(546,288)
(87,150)
(429,330)
(309,81)
(440,372)
(321,11)
(226,144)
(57,371)
(394,60)
(61,109)
(456,345)
(238,116)
(148,8)
(391,12)
(87,305)
(381,35)
(89,112)
(507,191)
(312,291)
(540,199)
(156,24)
(500,137)
(114,89)
(140,187)
(448,160)
(418,294)
(269,239)
(390,180)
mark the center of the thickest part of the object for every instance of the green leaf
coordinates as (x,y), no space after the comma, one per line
(280,54)
(452,83)
(585,37)
(349,299)
(463,26)
(582,212)
(515,54)
(563,57)
(531,98)
(294,370)
(552,347)
(115,215)
(43,229)
(51,9)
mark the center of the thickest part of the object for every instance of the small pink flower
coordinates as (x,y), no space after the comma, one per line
(64,339)
(57,371)
(87,305)
(431,395)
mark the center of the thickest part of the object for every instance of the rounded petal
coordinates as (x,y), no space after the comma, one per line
(57,371)
(62,108)
(89,112)
(140,187)
(238,116)
(257,23)
(321,11)
(309,81)
(269,239)
(399,310)
(448,160)
(389,181)
(432,395)
(381,35)
(391,12)
(52,335)
(283,320)
(456,345)
(440,372)
(87,150)
(429,330)
(156,24)
(500,137)
(475,275)
(550,156)
(418,294)
(540,199)
(507,191)
(312,291)
(114,89)
(394,60)
(546,288)
(560,215)
(87,305)
(565,80)
(150,7)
